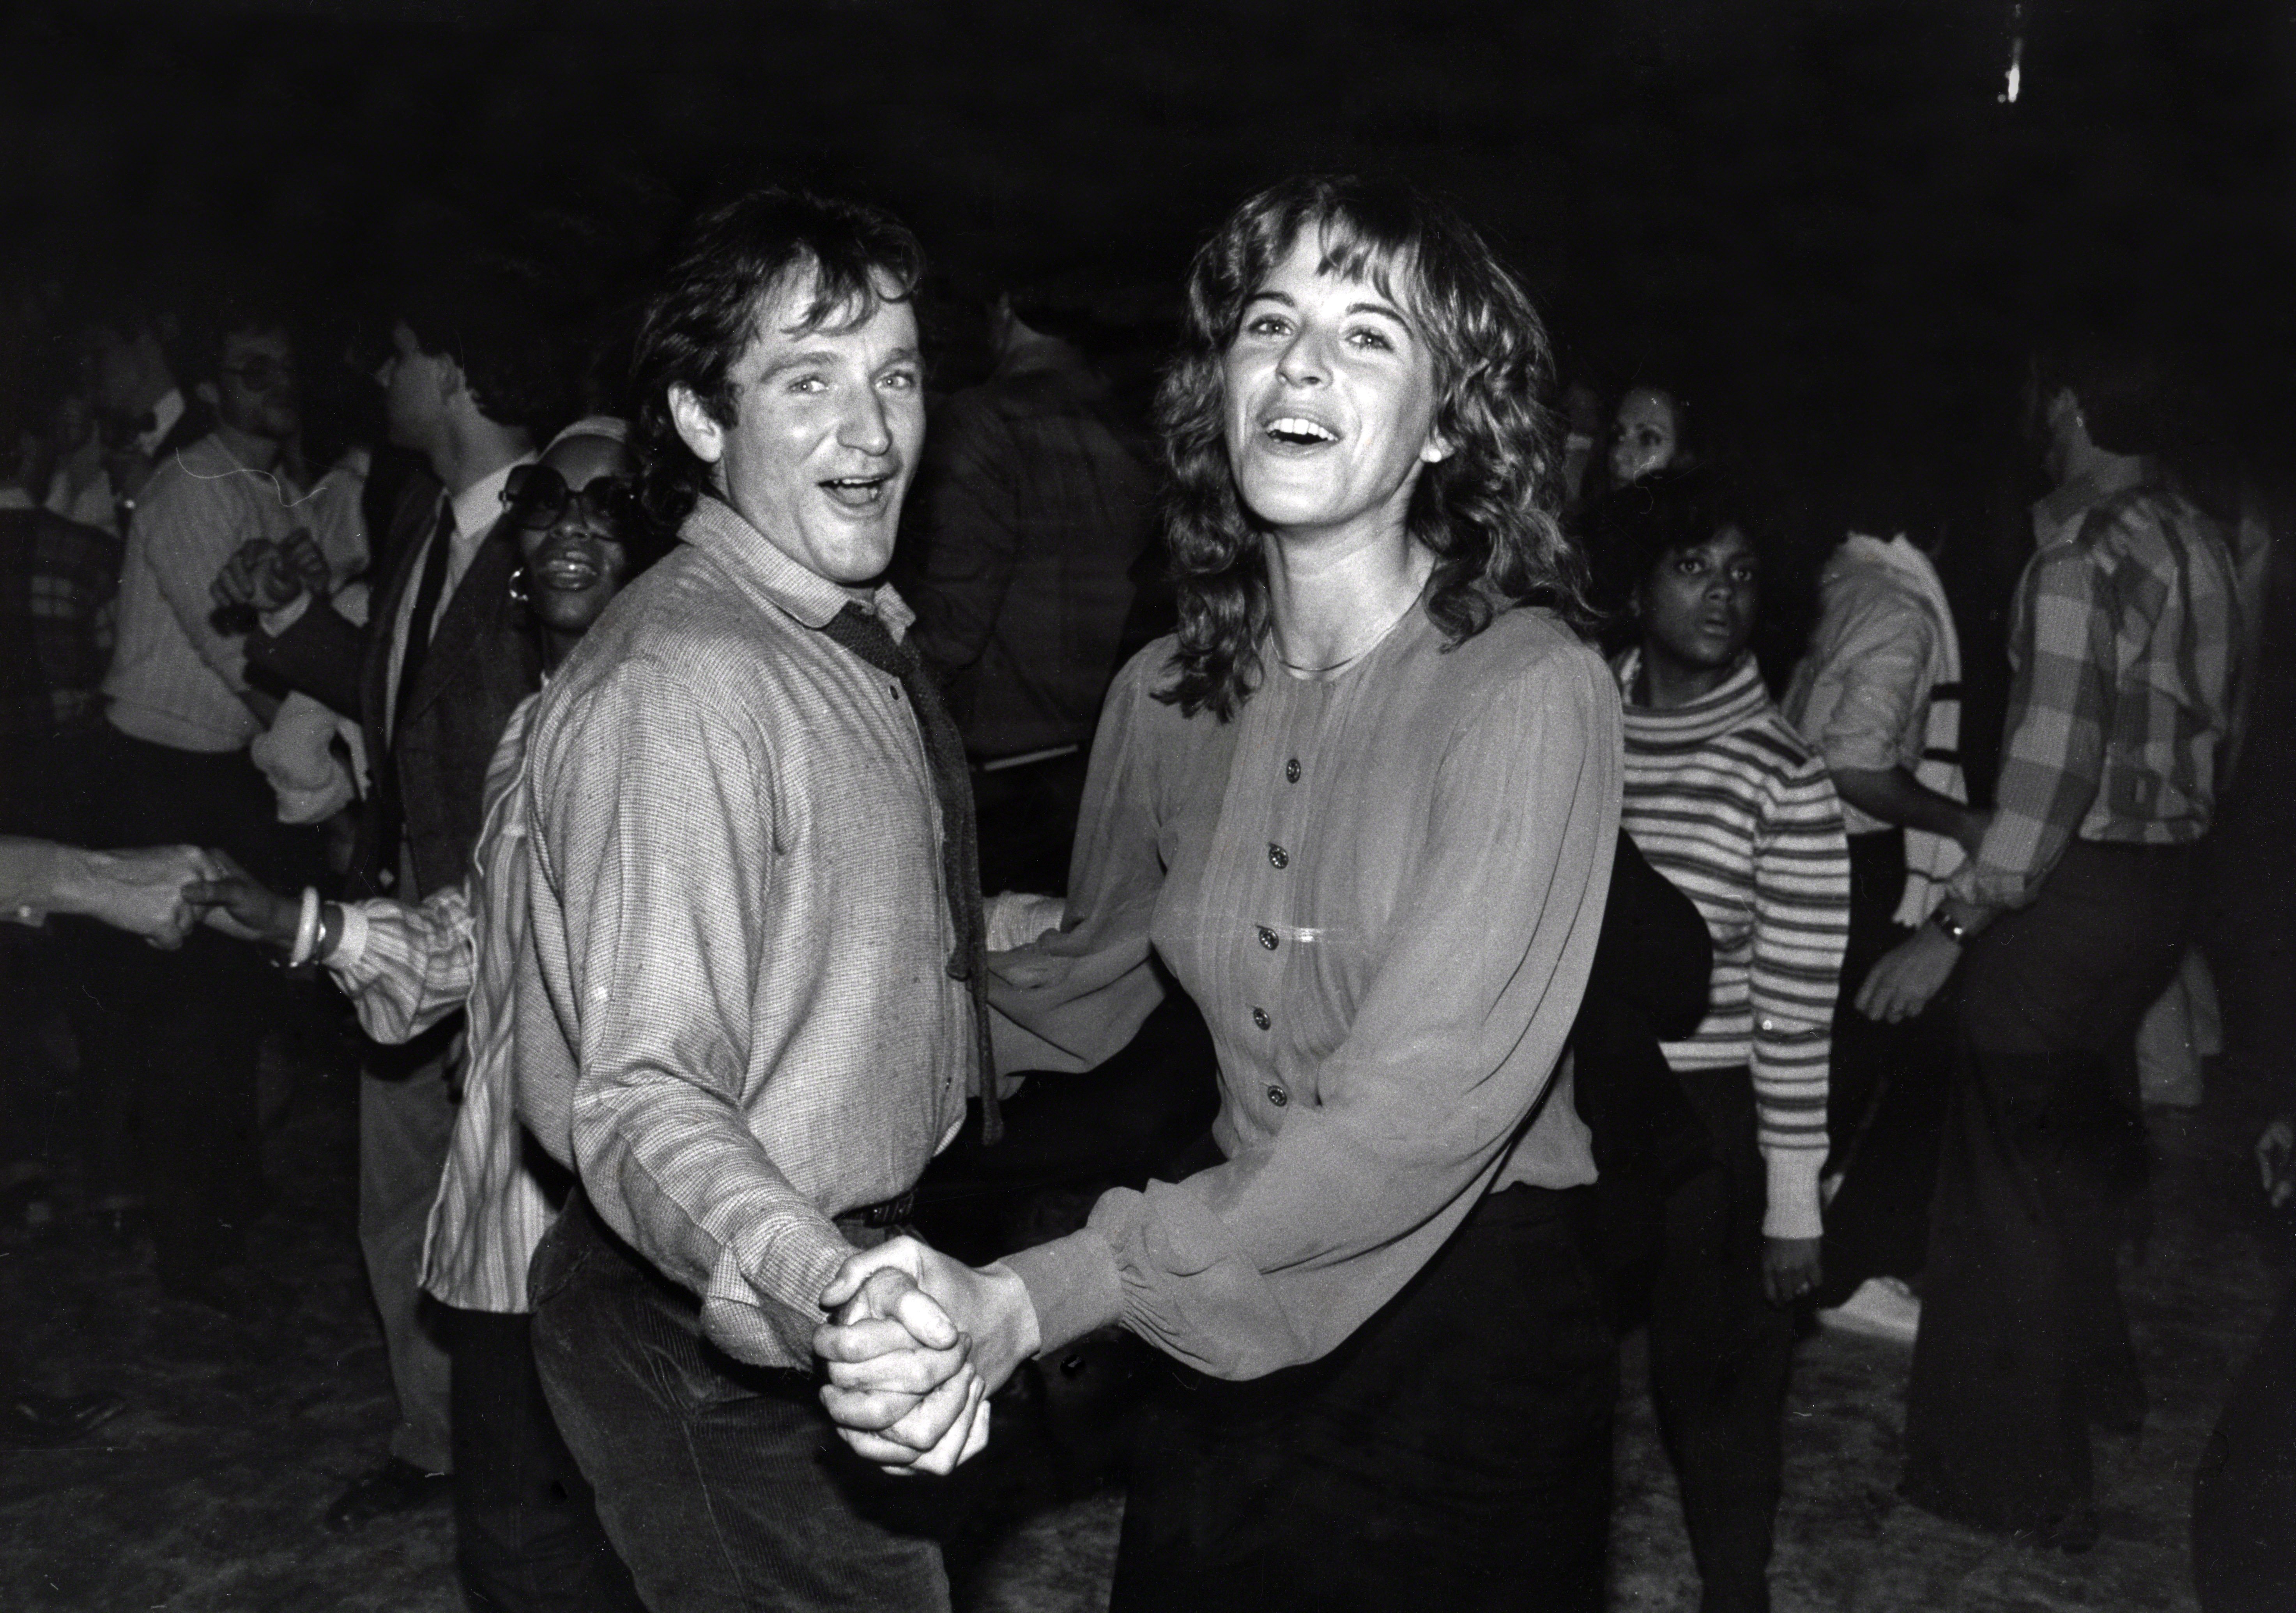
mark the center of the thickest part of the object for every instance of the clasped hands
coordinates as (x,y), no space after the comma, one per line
(915,1344)
(269,574)
(143,891)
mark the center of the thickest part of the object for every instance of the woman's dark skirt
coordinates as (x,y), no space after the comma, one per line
(1454,1453)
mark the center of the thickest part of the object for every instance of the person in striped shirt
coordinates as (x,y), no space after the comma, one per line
(405,966)
(1726,800)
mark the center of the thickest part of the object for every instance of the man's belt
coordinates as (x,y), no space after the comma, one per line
(890,1212)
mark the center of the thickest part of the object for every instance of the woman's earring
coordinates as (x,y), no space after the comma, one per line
(518,585)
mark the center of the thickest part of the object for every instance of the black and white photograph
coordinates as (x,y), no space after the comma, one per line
(1268,806)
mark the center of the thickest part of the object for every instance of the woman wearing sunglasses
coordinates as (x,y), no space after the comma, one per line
(407,967)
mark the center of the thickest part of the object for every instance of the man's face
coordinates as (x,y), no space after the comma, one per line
(255,388)
(414,387)
(825,431)
(113,365)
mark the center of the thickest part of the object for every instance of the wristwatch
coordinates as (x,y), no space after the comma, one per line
(1955,929)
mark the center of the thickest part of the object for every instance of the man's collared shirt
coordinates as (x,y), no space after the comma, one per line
(477,508)
(175,680)
(1860,695)
(2123,640)
(165,414)
(733,1012)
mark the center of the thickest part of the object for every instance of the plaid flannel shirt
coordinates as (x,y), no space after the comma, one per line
(2123,640)
(59,586)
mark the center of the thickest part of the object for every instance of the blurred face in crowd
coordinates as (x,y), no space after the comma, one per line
(1330,399)
(1698,603)
(1645,437)
(255,390)
(571,511)
(123,370)
(826,428)
(415,386)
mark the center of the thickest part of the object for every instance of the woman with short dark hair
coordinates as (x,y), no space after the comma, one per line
(1726,801)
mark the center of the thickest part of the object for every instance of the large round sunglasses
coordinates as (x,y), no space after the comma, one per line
(536,496)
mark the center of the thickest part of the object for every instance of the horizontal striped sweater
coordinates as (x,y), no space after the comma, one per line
(1726,801)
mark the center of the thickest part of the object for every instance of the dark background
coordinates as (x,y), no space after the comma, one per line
(1819,218)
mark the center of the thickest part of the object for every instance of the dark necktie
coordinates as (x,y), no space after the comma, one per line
(390,802)
(960,848)
(427,589)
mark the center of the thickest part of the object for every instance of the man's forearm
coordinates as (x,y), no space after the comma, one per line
(1894,796)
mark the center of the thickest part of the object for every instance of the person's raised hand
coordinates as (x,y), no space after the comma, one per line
(234,581)
(304,562)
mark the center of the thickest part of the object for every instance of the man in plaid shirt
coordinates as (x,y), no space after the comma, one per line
(2072,916)
(59,584)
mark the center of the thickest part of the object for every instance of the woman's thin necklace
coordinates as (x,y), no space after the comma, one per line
(1377,639)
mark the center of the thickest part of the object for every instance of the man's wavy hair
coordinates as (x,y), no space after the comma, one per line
(704,316)
(488,315)
(1487,511)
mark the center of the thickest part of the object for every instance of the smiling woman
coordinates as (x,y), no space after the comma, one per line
(1405,365)
(1362,809)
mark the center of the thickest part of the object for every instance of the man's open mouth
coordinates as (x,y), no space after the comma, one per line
(857,492)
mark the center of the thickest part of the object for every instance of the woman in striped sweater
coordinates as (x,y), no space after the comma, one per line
(1724,800)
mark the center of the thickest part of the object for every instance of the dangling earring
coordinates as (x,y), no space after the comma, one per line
(518,585)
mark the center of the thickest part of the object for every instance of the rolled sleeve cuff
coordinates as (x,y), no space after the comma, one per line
(1793,1210)
(1073,1285)
(762,1308)
(1981,887)
(350,947)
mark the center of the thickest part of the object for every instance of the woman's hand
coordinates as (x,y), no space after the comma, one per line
(1790,1269)
(234,903)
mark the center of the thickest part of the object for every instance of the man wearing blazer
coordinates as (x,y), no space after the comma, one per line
(469,384)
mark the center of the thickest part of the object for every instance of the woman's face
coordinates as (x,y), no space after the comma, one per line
(1330,400)
(1645,437)
(1698,603)
(575,560)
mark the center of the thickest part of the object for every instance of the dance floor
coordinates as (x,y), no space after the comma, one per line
(207,1492)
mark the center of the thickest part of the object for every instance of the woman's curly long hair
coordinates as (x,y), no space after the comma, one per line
(1487,511)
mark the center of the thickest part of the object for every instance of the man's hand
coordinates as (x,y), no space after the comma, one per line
(1905,979)
(1789,1268)
(902,1309)
(143,892)
(261,574)
(300,556)
(231,901)
(2276,1161)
